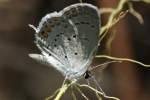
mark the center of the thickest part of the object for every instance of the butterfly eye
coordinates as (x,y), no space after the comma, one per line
(87,74)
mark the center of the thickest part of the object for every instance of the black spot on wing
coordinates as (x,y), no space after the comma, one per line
(75,53)
(74,36)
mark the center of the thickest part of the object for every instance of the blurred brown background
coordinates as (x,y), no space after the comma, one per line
(22,78)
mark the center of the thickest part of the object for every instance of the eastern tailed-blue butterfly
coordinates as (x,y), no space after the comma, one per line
(69,39)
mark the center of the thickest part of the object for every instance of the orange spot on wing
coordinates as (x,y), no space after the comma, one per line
(49,29)
(44,34)
(56,19)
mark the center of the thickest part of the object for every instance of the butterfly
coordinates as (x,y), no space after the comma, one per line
(68,40)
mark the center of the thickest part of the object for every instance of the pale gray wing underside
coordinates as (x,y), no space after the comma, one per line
(70,37)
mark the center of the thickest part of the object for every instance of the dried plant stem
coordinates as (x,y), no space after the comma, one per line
(73,95)
(50,97)
(146,1)
(106,10)
(98,92)
(112,16)
(98,96)
(79,90)
(103,65)
(114,11)
(135,13)
(122,59)
(112,19)
(64,88)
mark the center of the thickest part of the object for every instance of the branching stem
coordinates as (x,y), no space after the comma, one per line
(64,88)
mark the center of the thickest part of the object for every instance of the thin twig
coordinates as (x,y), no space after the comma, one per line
(73,95)
(135,13)
(98,96)
(103,64)
(112,16)
(106,10)
(64,88)
(81,93)
(122,59)
(91,88)
(146,1)
(53,95)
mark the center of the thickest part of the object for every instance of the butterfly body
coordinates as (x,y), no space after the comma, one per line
(69,39)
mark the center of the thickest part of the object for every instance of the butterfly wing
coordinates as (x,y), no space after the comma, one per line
(70,37)
(85,20)
(50,40)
